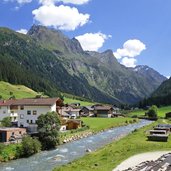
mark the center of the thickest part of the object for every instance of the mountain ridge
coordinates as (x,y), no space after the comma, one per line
(62,61)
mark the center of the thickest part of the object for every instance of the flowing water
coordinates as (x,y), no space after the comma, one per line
(47,160)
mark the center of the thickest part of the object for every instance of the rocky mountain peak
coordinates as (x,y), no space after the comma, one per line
(149,73)
(54,39)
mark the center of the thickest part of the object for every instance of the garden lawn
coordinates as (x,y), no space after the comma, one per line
(108,157)
(161,111)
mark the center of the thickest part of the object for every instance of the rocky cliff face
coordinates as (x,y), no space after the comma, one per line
(94,75)
(151,75)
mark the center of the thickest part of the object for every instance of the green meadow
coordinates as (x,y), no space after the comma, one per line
(70,100)
(161,111)
(98,124)
(108,157)
(19,91)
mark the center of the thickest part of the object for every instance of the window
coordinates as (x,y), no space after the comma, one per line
(21,116)
(19,132)
(4,112)
(27,121)
(13,107)
(29,112)
(34,112)
(31,121)
(21,107)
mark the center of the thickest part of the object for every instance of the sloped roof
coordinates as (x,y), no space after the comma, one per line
(89,108)
(70,109)
(103,108)
(30,102)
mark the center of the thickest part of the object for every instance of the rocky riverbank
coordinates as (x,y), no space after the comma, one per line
(77,137)
(81,135)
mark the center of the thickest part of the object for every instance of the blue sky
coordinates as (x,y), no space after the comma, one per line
(138,31)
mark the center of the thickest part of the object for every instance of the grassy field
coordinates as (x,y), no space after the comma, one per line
(70,100)
(113,154)
(161,111)
(19,91)
(98,124)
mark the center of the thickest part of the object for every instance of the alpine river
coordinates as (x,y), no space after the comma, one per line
(47,160)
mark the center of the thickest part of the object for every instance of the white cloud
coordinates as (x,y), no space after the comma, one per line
(129,62)
(61,17)
(92,41)
(76,2)
(131,48)
(23,31)
(19,1)
(168,77)
(47,2)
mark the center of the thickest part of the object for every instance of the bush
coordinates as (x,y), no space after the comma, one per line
(152,112)
(134,116)
(29,146)
(6,122)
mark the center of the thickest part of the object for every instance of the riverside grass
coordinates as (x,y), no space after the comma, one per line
(161,111)
(108,157)
(98,124)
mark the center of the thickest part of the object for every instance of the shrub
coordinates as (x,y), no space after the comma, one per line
(6,122)
(29,146)
(152,112)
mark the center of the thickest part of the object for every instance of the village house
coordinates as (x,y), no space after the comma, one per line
(6,110)
(103,111)
(26,111)
(11,134)
(68,124)
(73,124)
(69,112)
(87,111)
(116,110)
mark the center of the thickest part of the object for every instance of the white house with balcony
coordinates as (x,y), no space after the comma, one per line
(26,111)
(7,111)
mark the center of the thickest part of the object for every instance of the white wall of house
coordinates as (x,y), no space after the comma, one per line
(30,114)
(4,112)
(69,110)
(27,115)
